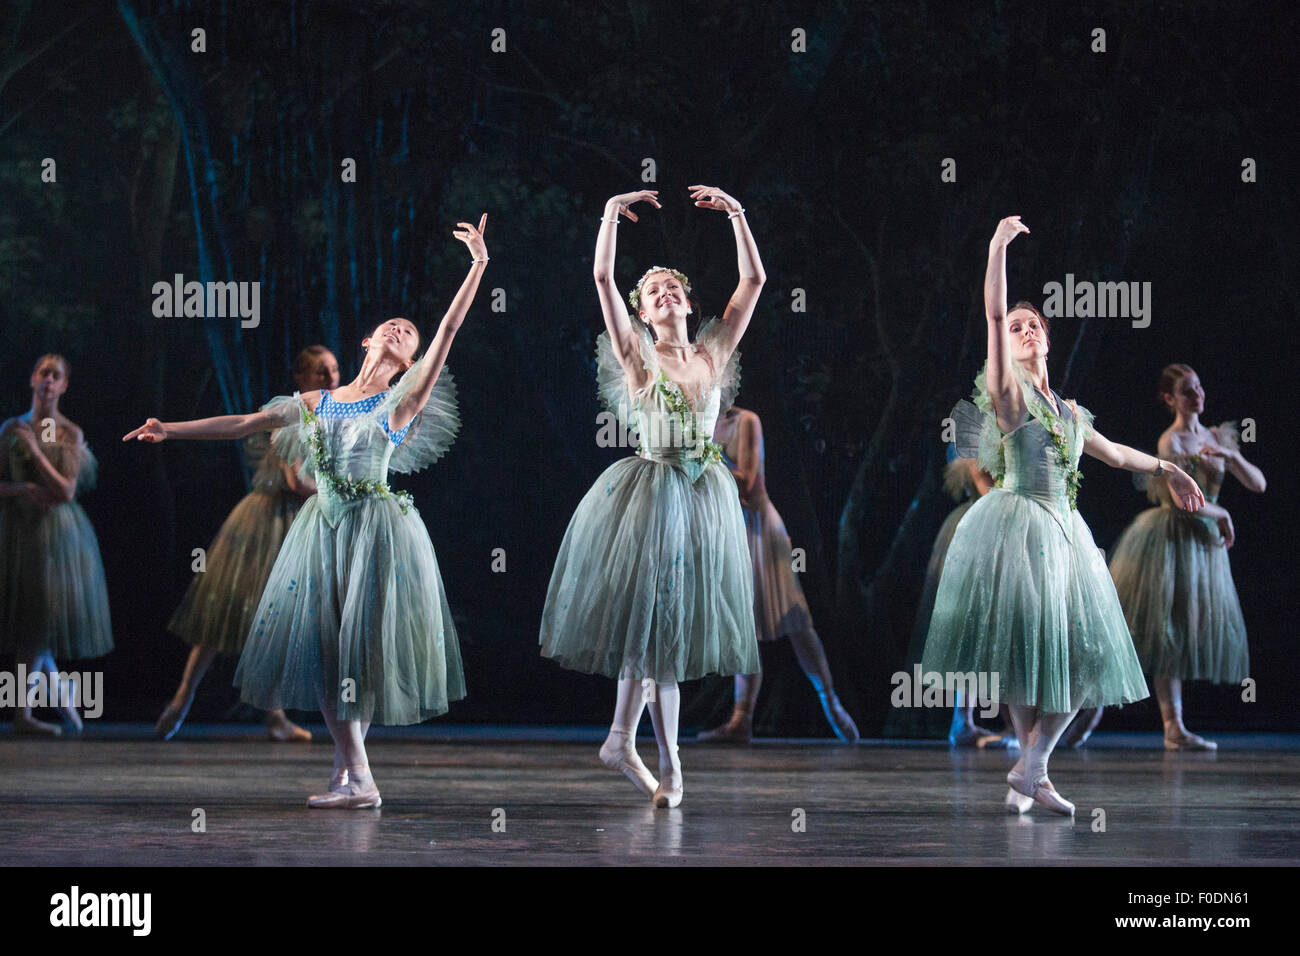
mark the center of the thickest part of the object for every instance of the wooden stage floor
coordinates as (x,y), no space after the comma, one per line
(116,797)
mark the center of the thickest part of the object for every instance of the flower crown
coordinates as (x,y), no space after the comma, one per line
(634,297)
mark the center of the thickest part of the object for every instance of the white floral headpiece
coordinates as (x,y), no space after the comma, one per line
(634,297)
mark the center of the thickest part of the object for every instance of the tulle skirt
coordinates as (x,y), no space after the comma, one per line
(53,596)
(1019,600)
(219,606)
(780,608)
(1175,585)
(654,578)
(358,610)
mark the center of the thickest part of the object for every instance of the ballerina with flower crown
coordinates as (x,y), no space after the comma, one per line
(653,582)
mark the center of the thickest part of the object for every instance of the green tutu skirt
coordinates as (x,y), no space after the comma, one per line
(1020,600)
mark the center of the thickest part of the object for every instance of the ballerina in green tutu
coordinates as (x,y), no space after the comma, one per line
(653,581)
(53,595)
(1025,594)
(1171,569)
(354,618)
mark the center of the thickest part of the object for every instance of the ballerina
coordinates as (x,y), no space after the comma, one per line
(216,613)
(780,608)
(653,584)
(354,617)
(1171,569)
(53,596)
(1025,595)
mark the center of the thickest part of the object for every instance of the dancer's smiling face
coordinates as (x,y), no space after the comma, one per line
(663,298)
(49,378)
(1028,335)
(397,338)
(321,373)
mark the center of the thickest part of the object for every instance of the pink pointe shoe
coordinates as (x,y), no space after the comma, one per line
(619,753)
(349,796)
(170,721)
(666,798)
(1042,793)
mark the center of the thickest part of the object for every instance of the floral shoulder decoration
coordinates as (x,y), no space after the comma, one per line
(701,451)
(347,489)
(1056,432)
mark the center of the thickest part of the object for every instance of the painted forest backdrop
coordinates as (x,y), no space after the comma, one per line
(226,164)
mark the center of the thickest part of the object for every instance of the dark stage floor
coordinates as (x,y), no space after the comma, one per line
(116,797)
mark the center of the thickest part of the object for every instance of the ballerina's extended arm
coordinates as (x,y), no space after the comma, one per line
(740,308)
(431,365)
(1000,379)
(622,336)
(1184,490)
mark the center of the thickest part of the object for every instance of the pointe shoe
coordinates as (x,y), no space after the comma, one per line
(31,727)
(972,736)
(170,721)
(1042,793)
(339,780)
(666,798)
(732,732)
(839,718)
(1188,741)
(286,730)
(626,761)
(1017,803)
(348,797)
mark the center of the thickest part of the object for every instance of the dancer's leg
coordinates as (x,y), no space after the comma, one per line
(964,732)
(665,711)
(196,665)
(1022,720)
(1169,692)
(24,722)
(62,692)
(357,790)
(1047,731)
(619,749)
(739,728)
(811,654)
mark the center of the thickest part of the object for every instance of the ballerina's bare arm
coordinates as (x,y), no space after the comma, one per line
(430,367)
(622,336)
(217,428)
(740,309)
(60,485)
(1251,478)
(1000,378)
(1184,490)
(748,453)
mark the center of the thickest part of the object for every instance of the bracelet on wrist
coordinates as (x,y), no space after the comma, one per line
(484,259)
(1160,468)
(614,220)
(738,212)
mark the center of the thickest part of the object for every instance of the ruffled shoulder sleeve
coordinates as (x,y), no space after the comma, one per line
(976,432)
(289,438)
(1083,417)
(611,381)
(433,429)
(1228,435)
(87,468)
(729,370)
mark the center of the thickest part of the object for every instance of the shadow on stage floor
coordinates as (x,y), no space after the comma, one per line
(537,795)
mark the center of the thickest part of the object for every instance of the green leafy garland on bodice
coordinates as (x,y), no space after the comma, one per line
(704,450)
(347,489)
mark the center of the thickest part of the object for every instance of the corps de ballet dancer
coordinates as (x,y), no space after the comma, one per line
(780,608)
(53,596)
(354,618)
(216,613)
(1171,568)
(1025,593)
(965,482)
(653,583)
